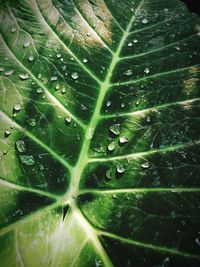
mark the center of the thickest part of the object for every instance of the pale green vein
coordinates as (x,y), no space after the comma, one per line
(92,235)
(26,189)
(141,190)
(146,78)
(36,140)
(150,27)
(50,96)
(19,257)
(65,46)
(146,153)
(149,246)
(155,108)
(158,49)
(93,30)
(27,218)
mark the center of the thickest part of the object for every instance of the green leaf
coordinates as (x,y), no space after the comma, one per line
(99,145)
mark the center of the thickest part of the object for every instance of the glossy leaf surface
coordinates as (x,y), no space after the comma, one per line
(99,145)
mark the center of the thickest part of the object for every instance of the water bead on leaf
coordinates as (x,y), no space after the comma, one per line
(27,160)
(111,146)
(24,76)
(20,146)
(74,75)
(115,128)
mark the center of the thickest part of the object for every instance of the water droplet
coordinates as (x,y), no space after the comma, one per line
(54,78)
(58,55)
(111,146)
(27,160)
(9,73)
(30,58)
(177,48)
(115,128)
(145,21)
(74,75)
(31,122)
(88,34)
(85,60)
(108,174)
(120,168)
(148,119)
(7,133)
(173,214)
(63,90)
(13,29)
(135,41)
(17,107)
(129,72)
(130,44)
(20,145)
(26,44)
(108,103)
(57,87)
(1,69)
(68,119)
(123,139)
(146,165)
(5,152)
(115,196)
(197,241)
(132,9)
(24,76)
(146,70)
(122,105)
(83,107)
(40,90)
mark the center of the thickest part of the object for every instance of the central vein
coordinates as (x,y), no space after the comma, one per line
(105,85)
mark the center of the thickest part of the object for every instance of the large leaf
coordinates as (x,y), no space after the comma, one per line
(100,147)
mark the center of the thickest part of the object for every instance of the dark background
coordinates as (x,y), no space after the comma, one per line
(193,5)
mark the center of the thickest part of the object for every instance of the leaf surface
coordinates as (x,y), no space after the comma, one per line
(99,140)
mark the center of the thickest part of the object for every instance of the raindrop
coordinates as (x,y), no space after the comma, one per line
(63,90)
(7,133)
(9,73)
(197,241)
(54,78)
(58,55)
(120,168)
(4,152)
(148,119)
(57,86)
(108,174)
(145,21)
(17,107)
(111,146)
(74,75)
(129,72)
(27,160)
(108,103)
(13,29)
(146,165)
(32,122)
(83,107)
(122,105)
(1,69)
(146,70)
(115,196)
(135,41)
(30,58)
(24,76)
(20,145)
(173,214)
(177,48)
(85,60)
(68,119)
(115,128)
(130,44)
(123,139)
(40,90)
(26,44)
